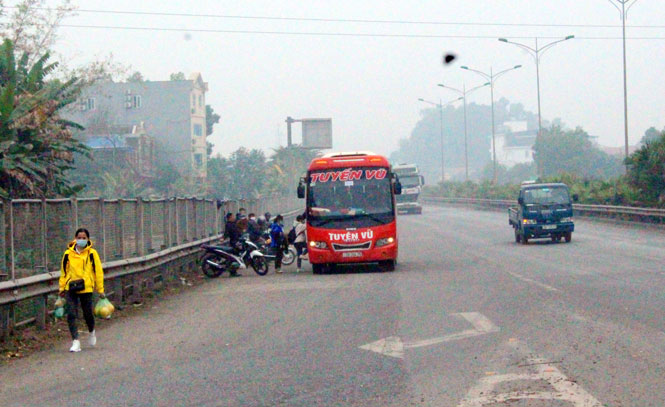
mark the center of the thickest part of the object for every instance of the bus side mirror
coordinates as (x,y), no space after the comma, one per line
(301,189)
(398,188)
(576,197)
(422,180)
(520,200)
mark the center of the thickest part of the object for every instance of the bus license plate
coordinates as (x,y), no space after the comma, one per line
(549,227)
(352,254)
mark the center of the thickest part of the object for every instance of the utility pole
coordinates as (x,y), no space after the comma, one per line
(441,105)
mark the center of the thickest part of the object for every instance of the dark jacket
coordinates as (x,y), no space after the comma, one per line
(254,230)
(232,233)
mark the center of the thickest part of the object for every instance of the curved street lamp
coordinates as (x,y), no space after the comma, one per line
(440,106)
(537,53)
(465,92)
(492,77)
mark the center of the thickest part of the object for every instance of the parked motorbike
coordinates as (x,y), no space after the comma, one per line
(218,259)
(288,257)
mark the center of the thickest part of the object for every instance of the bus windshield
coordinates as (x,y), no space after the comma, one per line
(356,197)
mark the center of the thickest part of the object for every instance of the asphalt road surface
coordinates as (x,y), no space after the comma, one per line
(469,318)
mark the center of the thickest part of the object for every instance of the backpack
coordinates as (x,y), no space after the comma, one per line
(291,237)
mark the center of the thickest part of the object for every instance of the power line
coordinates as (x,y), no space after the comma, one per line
(333,34)
(341,20)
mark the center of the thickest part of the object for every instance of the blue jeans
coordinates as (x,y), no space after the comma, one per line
(301,248)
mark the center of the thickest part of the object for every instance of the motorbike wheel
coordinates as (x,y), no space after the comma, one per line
(289,256)
(208,269)
(260,265)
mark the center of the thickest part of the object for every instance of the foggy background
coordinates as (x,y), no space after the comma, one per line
(370,86)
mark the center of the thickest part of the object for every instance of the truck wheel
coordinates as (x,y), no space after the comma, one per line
(517,236)
(568,236)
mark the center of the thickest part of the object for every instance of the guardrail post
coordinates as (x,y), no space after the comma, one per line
(5,321)
(41,311)
(118,290)
(102,228)
(187,234)
(178,235)
(166,219)
(44,238)
(195,218)
(12,258)
(138,230)
(119,229)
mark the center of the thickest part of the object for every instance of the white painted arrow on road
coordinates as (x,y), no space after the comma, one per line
(394,347)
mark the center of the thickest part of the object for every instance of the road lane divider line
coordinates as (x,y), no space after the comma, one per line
(534,282)
(393,346)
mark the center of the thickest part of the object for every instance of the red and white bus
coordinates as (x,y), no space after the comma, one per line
(351,211)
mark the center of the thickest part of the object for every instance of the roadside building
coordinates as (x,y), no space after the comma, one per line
(514,145)
(171,114)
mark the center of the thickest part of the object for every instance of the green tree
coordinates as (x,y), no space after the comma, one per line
(647,171)
(650,134)
(286,166)
(212,118)
(136,77)
(36,144)
(177,76)
(240,176)
(558,151)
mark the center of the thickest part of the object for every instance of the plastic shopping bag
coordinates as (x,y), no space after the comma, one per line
(104,308)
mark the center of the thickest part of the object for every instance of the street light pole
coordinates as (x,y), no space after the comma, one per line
(440,105)
(464,92)
(492,77)
(537,53)
(623,12)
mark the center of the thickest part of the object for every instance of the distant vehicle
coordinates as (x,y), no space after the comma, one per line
(412,184)
(350,210)
(543,211)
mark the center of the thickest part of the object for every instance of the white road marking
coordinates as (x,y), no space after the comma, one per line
(534,282)
(563,389)
(394,347)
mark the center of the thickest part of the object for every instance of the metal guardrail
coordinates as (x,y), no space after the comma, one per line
(647,215)
(125,278)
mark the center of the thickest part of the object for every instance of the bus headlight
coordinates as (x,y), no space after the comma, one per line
(318,245)
(529,221)
(564,220)
(385,241)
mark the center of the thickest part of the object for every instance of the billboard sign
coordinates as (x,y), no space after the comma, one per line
(317,133)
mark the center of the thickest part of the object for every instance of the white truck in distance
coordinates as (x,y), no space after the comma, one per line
(412,183)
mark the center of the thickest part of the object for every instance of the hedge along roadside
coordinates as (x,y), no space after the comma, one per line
(25,300)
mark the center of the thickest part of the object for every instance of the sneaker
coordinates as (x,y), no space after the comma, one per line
(298,270)
(92,339)
(76,346)
(278,271)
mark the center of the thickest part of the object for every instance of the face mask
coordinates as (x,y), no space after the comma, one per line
(252,219)
(81,242)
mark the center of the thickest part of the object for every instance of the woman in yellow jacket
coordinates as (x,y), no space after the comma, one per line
(81,274)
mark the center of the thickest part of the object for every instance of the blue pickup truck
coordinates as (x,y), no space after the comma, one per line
(543,211)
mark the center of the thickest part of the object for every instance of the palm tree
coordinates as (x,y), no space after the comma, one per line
(36,145)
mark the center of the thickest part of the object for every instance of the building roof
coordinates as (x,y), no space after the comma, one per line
(115,141)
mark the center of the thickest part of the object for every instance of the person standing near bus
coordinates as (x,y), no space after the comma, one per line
(277,240)
(301,240)
(80,274)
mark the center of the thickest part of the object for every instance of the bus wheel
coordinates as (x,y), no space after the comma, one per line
(388,265)
(318,268)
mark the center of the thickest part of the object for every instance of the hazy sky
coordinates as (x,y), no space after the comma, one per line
(370,86)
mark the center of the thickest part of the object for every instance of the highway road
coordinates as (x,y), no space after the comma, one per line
(469,319)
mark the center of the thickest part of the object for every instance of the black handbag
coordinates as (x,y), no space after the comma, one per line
(76,286)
